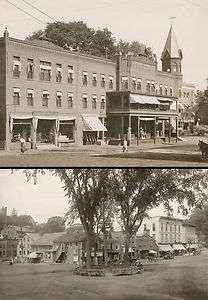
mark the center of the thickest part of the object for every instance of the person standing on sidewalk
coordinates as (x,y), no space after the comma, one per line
(22,145)
(125,146)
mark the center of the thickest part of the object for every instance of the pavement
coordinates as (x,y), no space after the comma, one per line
(181,154)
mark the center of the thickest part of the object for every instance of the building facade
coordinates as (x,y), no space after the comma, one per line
(54,96)
(170,231)
(187,101)
(144,104)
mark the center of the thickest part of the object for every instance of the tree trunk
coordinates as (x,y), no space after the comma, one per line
(105,251)
(127,245)
(88,251)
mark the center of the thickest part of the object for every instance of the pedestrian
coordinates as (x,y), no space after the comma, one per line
(22,145)
(125,146)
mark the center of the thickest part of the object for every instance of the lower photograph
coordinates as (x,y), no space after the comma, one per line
(103,233)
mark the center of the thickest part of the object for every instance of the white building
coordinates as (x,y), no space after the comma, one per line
(169,231)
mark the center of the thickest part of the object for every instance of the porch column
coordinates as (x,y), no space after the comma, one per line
(102,134)
(155,133)
(122,125)
(169,132)
(163,128)
(129,131)
(176,129)
(138,130)
(34,133)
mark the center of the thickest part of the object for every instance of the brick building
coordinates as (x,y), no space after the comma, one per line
(145,98)
(54,96)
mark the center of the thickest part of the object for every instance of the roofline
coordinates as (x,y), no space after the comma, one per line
(110,61)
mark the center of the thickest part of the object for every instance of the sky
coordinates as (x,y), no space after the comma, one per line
(144,20)
(43,200)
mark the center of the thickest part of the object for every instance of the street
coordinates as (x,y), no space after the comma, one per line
(181,154)
(184,277)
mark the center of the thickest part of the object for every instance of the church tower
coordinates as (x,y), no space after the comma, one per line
(171,56)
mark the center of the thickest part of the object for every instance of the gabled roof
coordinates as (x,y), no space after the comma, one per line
(74,233)
(171,45)
(47,239)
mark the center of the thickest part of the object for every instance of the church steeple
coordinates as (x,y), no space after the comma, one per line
(171,55)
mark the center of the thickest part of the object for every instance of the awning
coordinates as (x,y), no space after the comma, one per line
(178,247)
(92,123)
(33,255)
(21,116)
(66,118)
(146,119)
(152,252)
(141,99)
(46,117)
(45,67)
(164,99)
(165,248)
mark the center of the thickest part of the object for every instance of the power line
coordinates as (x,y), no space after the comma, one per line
(36,8)
(22,10)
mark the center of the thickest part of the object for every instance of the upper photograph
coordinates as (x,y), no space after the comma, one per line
(103,83)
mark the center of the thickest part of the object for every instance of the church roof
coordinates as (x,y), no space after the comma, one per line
(171,45)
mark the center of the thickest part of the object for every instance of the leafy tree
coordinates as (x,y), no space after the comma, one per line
(201,107)
(199,218)
(138,190)
(55,224)
(133,191)
(78,36)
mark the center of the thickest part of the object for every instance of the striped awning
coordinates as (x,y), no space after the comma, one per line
(178,247)
(142,99)
(92,123)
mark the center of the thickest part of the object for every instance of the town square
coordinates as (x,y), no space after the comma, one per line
(104,233)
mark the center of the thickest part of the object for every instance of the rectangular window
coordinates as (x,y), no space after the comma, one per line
(45,98)
(148,87)
(161,90)
(94,102)
(94,79)
(162,227)
(166,91)
(30,68)
(153,87)
(45,71)
(58,73)
(171,92)
(16,96)
(84,102)
(133,84)
(102,81)
(58,99)
(145,227)
(125,83)
(85,78)
(16,66)
(139,84)
(102,103)
(110,82)
(70,74)
(30,97)
(153,226)
(70,100)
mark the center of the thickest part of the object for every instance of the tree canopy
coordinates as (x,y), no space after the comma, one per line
(133,193)
(78,36)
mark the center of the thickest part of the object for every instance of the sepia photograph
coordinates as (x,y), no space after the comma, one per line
(103,234)
(103,83)
(103,150)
